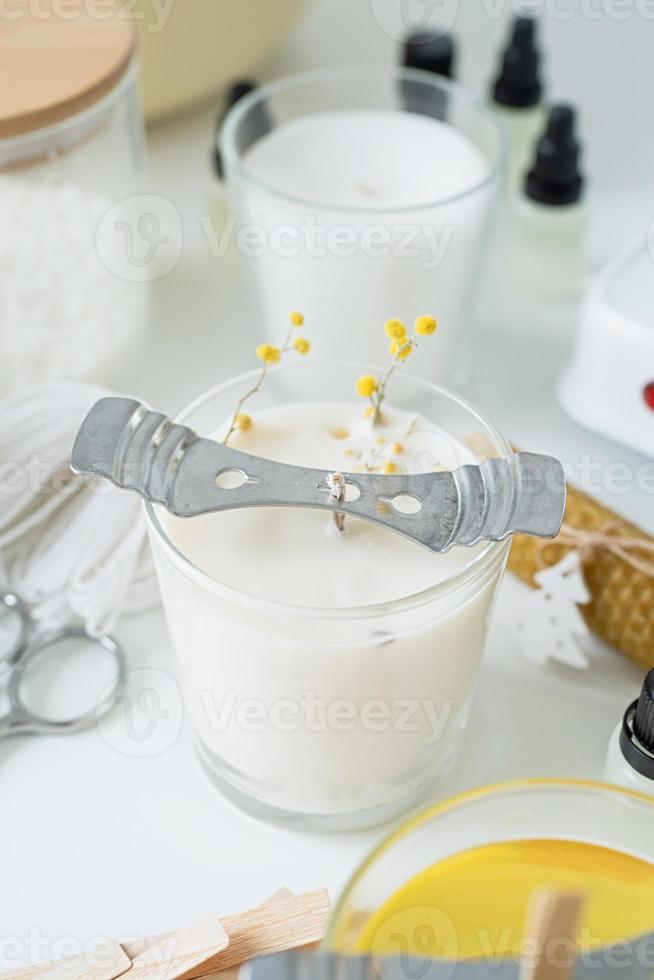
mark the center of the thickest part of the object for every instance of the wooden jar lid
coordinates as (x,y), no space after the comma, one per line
(57,58)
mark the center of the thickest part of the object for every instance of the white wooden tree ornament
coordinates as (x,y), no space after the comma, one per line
(549,621)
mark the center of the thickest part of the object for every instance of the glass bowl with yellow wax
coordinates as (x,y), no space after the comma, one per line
(455,881)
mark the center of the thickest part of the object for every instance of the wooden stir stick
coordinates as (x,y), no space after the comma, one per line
(212,949)
(552,926)
(106,962)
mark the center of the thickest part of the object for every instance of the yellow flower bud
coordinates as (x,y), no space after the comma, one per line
(268,353)
(389,467)
(295,319)
(366,385)
(425,325)
(243,422)
(400,348)
(395,329)
(301,345)
(397,448)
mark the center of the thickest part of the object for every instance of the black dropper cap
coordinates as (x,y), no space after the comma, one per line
(430,51)
(555,178)
(518,84)
(235,93)
(637,735)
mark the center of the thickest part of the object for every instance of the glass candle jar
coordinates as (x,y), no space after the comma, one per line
(369,191)
(611,822)
(71,151)
(328,716)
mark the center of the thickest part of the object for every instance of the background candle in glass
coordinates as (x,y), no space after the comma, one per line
(368,192)
(328,676)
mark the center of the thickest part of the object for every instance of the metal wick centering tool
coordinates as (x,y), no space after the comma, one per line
(169,464)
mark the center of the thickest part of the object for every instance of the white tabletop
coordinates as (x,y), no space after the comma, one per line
(103,841)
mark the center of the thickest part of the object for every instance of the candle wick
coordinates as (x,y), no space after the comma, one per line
(336,484)
(367,190)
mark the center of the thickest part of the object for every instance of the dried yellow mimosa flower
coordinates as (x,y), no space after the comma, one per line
(366,385)
(399,348)
(395,329)
(396,448)
(268,353)
(389,467)
(425,325)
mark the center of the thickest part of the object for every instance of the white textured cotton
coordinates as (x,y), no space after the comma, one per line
(70,546)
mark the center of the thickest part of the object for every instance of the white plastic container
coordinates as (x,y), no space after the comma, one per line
(608,385)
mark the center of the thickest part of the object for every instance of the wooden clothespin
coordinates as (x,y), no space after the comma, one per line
(551,930)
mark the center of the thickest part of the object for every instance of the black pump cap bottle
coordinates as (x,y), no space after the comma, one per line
(555,178)
(637,735)
(518,85)
(430,51)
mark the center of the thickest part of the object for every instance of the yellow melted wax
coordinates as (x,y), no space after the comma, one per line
(473,904)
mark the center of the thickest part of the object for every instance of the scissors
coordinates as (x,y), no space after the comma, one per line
(26,646)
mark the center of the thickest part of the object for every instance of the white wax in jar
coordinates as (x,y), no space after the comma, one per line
(418,663)
(365,214)
(367,159)
(298,556)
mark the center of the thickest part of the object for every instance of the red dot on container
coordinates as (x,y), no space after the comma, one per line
(648,395)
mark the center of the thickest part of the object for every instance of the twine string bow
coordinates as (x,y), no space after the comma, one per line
(620,545)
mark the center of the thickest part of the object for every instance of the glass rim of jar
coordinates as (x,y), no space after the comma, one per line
(234,159)
(18,146)
(433,812)
(493,552)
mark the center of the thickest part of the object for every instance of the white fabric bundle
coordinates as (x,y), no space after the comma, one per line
(73,548)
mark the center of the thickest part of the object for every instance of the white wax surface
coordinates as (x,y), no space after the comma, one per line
(298,556)
(367,159)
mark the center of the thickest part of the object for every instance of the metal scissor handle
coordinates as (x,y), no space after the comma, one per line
(14,604)
(30,646)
